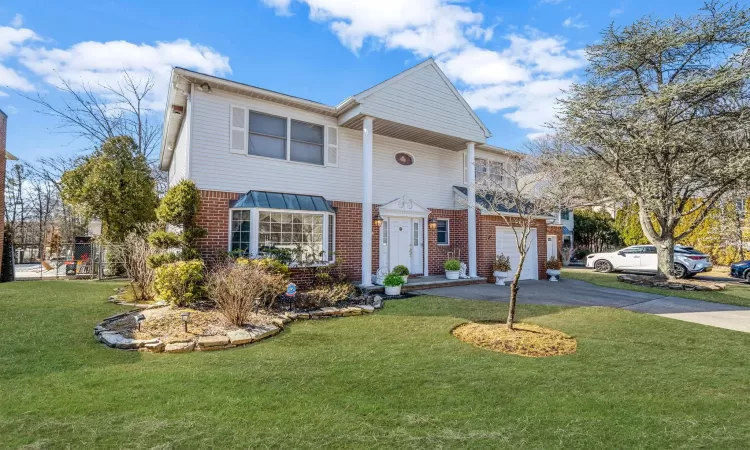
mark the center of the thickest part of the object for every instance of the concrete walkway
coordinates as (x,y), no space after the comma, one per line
(580,293)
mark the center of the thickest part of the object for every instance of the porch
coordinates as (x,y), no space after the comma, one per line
(431,282)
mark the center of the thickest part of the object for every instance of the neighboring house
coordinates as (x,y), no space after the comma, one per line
(378,180)
(563,230)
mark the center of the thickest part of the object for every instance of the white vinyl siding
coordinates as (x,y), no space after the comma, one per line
(429,181)
(424,100)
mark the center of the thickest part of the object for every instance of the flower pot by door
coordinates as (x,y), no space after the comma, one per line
(500,277)
(452,274)
(393,290)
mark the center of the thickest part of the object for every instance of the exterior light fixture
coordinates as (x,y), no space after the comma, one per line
(205,87)
(185,319)
(432,223)
(377,221)
(138,319)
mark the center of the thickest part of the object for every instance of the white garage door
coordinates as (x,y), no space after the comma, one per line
(506,244)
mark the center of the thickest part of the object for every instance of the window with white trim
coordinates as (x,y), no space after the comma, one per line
(487,169)
(443,232)
(267,136)
(331,238)
(291,230)
(240,231)
(415,234)
(385,232)
(306,143)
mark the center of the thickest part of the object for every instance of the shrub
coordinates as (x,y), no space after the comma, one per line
(269,265)
(159,259)
(452,264)
(238,288)
(164,239)
(180,283)
(393,280)
(501,264)
(554,264)
(324,295)
(137,254)
(401,270)
(180,204)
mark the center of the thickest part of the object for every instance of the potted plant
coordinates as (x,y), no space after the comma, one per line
(402,271)
(452,268)
(500,269)
(393,284)
(553,268)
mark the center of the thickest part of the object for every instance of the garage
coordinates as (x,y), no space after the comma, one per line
(506,244)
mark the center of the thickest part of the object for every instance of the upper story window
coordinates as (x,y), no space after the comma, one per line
(488,169)
(307,143)
(565,214)
(267,136)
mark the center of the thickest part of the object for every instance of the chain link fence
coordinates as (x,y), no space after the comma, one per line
(72,260)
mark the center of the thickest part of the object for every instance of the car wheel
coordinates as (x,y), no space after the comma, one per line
(747,276)
(603,266)
(680,271)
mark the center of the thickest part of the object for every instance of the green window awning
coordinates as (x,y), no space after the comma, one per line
(280,200)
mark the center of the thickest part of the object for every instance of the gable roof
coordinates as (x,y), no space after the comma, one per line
(406,73)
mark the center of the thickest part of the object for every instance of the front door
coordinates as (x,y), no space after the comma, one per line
(400,242)
(551,247)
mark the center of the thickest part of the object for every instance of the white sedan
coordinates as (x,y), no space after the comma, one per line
(642,258)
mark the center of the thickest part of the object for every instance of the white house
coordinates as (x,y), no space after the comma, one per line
(376,180)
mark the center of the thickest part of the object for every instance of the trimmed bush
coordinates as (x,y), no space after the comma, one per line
(180,283)
(160,259)
(164,239)
(393,280)
(269,265)
(401,270)
(452,264)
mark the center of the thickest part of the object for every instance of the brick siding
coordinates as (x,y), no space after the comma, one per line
(213,215)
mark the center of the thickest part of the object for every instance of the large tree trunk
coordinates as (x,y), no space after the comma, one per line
(665,254)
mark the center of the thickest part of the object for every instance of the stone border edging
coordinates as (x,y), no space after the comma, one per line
(233,338)
(676,286)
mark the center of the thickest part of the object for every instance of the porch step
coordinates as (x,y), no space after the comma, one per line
(418,283)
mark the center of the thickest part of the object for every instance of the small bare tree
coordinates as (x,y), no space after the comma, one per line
(135,253)
(524,194)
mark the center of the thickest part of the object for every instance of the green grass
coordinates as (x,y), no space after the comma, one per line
(734,294)
(395,379)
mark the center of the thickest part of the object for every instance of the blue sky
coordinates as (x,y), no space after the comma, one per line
(510,58)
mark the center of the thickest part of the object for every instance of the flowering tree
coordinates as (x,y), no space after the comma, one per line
(663,118)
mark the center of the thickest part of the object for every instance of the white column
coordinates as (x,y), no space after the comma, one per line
(426,245)
(367,201)
(471,197)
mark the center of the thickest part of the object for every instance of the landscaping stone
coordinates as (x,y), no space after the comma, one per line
(366,308)
(110,338)
(180,347)
(377,302)
(303,316)
(212,341)
(278,322)
(646,281)
(351,311)
(330,311)
(264,331)
(316,313)
(156,347)
(239,337)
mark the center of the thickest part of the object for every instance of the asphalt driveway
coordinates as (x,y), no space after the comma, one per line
(568,292)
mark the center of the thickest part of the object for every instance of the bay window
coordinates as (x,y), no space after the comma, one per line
(240,231)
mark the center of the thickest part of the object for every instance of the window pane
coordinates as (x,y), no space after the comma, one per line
(240,235)
(269,147)
(307,132)
(270,125)
(415,230)
(307,153)
(331,236)
(276,201)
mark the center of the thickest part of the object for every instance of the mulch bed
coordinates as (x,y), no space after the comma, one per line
(524,340)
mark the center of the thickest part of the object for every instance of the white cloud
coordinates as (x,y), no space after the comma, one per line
(11,79)
(102,63)
(520,80)
(616,11)
(11,38)
(574,22)
(10,110)
(17,21)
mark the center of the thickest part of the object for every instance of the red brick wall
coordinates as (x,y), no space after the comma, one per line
(213,215)
(3,132)
(487,239)
(458,241)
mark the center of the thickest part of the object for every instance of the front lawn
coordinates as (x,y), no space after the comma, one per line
(394,379)
(734,294)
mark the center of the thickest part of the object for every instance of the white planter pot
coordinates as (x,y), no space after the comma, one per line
(554,275)
(405,278)
(452,274)
(393,290)
(500,277)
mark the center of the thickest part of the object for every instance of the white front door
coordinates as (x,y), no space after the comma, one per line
(417,249)
(399,237)
(551,247)
(506,244)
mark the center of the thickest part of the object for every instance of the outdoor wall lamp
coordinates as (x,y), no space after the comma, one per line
(185,319)
(432,223)
(377,221)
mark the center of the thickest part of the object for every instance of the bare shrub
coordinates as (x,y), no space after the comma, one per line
(238,287)
(136,252)
(324,295)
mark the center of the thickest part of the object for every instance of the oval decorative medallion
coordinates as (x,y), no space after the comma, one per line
(404,159)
